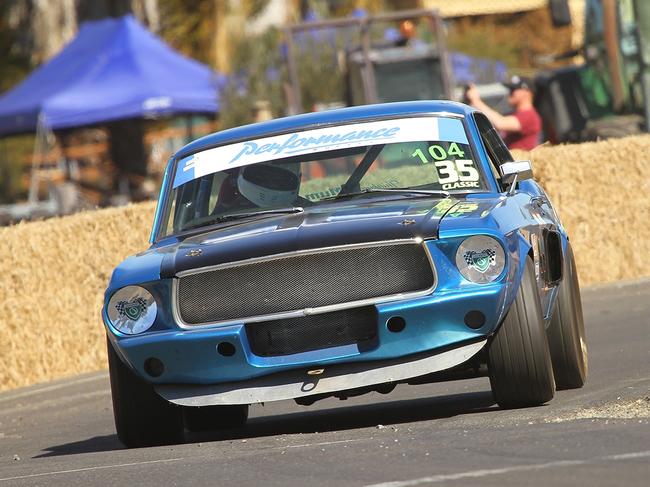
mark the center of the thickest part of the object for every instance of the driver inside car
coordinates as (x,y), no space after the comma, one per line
(260,185)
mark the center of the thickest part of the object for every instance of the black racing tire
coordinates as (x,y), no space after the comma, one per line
(209,418)
(142,417)
(519,362)
(566,332)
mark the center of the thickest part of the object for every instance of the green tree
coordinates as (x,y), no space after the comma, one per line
(257,76)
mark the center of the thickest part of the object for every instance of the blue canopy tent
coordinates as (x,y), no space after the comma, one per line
(113,69)
(115,73)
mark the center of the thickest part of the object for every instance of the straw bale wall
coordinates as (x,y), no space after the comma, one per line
(52,278)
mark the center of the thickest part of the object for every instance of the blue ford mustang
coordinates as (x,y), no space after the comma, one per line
(338,253)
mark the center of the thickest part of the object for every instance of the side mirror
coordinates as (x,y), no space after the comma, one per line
(511,172)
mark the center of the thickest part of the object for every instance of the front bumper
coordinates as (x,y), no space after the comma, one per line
(295,384)
(434,324)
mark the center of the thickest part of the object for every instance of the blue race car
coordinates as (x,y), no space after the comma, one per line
(338,253)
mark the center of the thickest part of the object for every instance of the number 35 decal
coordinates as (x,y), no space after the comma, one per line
(453,171)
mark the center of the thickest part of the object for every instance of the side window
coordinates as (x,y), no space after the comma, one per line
(497,151)
(196,199)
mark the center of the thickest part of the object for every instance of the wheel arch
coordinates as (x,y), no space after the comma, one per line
(519,251)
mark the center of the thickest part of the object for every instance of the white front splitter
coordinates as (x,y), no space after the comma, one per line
(298,383)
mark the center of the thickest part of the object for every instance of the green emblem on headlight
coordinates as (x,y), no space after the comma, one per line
(132,310)
(480,260)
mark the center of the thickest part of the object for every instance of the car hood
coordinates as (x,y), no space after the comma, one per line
(325,226)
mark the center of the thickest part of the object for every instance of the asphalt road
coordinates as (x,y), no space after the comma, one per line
(62,433)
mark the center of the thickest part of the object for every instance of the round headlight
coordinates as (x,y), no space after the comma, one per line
(132,310)
(480,259)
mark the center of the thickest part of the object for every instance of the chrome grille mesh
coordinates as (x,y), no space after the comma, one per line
(302,280)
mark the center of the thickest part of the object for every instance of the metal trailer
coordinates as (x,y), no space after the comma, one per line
(368,79)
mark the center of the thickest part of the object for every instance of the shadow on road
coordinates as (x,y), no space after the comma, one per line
(91,445)
(355,417)
(313,421)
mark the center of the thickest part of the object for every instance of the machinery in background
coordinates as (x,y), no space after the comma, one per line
(380,62)
(608,95)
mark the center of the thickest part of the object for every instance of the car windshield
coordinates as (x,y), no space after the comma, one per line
(296,171)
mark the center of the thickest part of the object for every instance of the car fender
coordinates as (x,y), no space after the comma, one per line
(500,217)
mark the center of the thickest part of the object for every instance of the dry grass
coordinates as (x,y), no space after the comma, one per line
(53,273)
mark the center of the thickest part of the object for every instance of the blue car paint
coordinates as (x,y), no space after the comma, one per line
(135,270)
(363,220)
(161,198)
(435,321)
(190,355)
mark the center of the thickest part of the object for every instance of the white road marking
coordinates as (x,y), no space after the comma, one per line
(86,469)
(53,387)
(627,456)
(324,443)
(102,467)
(499,471)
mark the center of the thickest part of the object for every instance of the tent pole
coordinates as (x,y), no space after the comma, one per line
(189,134)
(38,153)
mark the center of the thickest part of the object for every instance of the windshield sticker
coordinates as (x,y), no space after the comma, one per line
(318,140)
(460,173)
(439,153)
(462,209)
(461,184)
(334,191)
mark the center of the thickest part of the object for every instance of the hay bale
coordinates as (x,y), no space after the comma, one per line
(53,273)
(601,191)
(52,278)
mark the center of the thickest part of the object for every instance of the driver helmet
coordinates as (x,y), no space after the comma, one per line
(269,185)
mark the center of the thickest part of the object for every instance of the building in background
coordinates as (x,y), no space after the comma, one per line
(461,8)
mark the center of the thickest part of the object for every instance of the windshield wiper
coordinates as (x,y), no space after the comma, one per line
(238,216)
(419,192)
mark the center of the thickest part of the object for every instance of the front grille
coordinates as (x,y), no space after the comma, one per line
(303,280)
(312,332)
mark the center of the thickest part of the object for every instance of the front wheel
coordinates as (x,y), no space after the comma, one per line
(519,362)
(566,333)
(142,417)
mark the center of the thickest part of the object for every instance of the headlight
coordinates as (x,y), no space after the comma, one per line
(132,310)
(480,259)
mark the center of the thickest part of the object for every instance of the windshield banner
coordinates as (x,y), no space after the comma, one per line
(318,140)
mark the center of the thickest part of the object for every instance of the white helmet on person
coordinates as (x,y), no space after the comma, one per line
(269,185)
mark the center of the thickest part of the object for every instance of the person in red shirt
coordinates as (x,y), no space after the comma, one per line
(523,128)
